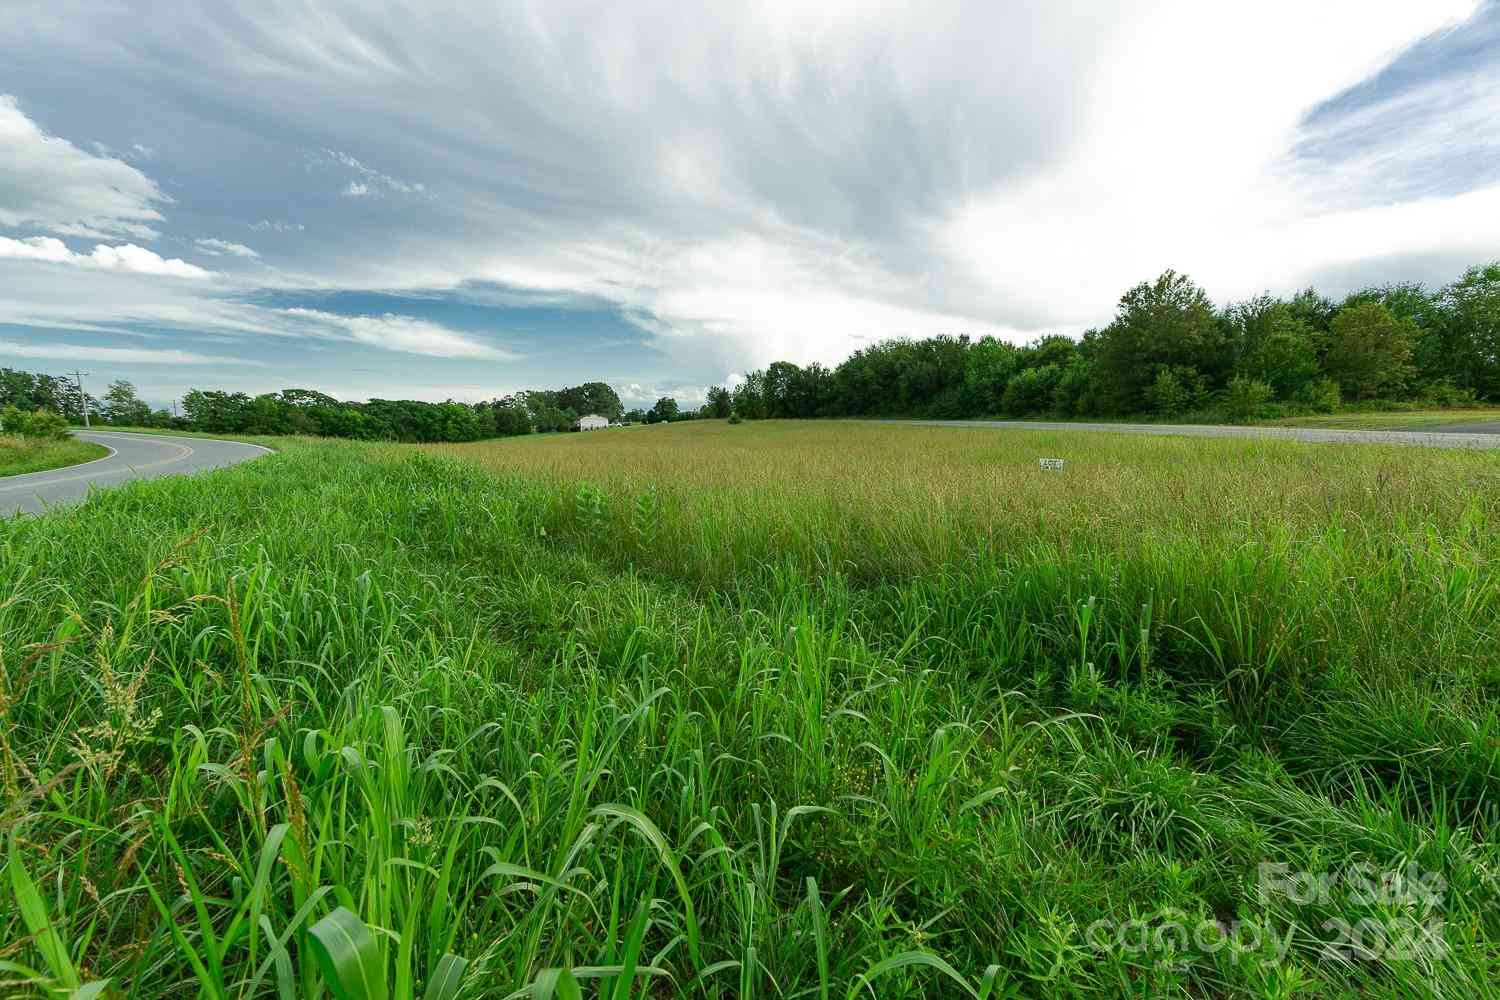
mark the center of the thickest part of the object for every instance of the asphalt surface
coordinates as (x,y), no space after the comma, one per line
(1486,436)
(1473,427)
(132,456)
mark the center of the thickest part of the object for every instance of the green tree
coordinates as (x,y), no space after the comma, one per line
(1470,330)
(1246,323)
(1053,349)
(1176,389)
(1369,351)
(989,367)
(1030,392)
(1245,398)
(749,399)
(591,397)
(1322,394)
(778,387)
(1169,321)
(1315,310)
(1283,354)
(216,412)
(1074,393)
(266,414)
(123,407)
(665,410)
(510,418)
(719,402)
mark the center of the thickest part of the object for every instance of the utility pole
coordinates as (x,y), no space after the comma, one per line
(83,401)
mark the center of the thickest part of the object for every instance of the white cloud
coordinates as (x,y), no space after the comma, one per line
(216,247)
(1189,175)
(51,184)
(791,180)
(126,257)
(767,183)
(118,355)
(635,395)
(407,334)
(372,175)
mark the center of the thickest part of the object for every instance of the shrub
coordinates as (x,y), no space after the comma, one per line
(950,404)
(38,424)
(1322,395)
(734,418)
(1244,399)
(1166,395)
(1075,389)
(1445,393)
(1176,388)
(1030,391)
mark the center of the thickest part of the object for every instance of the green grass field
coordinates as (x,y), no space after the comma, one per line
(20,455)
(775,710)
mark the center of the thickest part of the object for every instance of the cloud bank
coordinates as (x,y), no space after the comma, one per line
(777,180)
(49,183)
(126,257)
(117,355)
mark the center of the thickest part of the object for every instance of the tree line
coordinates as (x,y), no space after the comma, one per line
(306,411)
(1170,353)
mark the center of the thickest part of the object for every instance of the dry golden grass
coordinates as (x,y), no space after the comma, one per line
(1117,489)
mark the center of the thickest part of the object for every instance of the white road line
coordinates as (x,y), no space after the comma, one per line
(124,469)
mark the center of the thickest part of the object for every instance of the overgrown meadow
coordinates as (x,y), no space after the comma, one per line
(772,710)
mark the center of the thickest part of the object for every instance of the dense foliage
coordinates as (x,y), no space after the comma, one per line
(1170,353)
(305,411)
(43,424)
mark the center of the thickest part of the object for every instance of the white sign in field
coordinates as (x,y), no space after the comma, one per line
(1055,464)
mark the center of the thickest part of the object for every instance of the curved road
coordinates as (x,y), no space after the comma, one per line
(1482,436)
(132,456)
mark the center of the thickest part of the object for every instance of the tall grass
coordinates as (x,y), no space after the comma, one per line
(798,711)
(20,455)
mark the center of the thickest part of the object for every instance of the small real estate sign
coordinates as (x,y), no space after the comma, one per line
(1055,464)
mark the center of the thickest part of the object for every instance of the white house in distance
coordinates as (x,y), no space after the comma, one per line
(590,422)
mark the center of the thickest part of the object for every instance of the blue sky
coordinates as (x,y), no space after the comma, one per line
(444,199)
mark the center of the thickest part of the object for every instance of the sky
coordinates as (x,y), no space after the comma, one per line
(441,199)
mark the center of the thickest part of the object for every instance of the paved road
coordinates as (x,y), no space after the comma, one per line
(1458,436)
(132,456)
(1472,427)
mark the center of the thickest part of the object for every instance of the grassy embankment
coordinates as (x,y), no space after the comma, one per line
(763,708)
(21,455)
